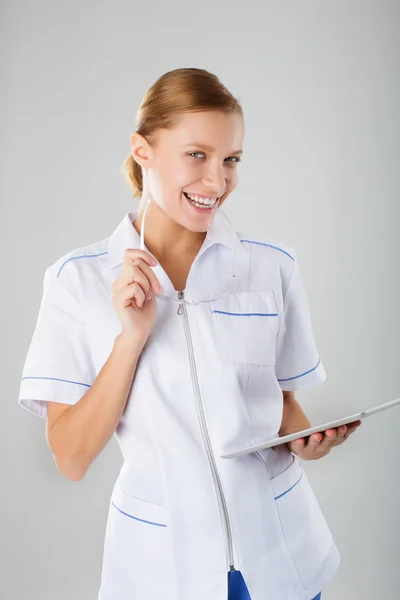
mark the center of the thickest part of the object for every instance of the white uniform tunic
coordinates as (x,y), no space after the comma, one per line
(209,381)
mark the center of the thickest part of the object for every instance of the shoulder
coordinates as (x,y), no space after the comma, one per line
(77,266)
(273,248)
(270,254)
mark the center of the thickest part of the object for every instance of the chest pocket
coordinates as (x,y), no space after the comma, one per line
(246,325)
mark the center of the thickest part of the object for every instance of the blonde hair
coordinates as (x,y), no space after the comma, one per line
(178,91)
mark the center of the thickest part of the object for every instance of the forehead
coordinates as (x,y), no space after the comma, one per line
(215,128)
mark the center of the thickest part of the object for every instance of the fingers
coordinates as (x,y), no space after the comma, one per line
(315,441)
(132,274)
(142,275)
(136,269)
(320,444)
(327,439)
(151,278)
(144,261)
(130,293)
(133,284)
(334,437)
(125,289)
(351,427)
(133,253)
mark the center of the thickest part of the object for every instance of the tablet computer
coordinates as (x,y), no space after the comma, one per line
(276,440)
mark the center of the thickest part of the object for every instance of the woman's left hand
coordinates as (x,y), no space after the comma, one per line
(320,444)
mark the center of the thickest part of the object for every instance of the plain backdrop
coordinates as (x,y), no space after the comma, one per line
(319,86)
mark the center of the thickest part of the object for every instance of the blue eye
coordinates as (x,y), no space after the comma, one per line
(237,159)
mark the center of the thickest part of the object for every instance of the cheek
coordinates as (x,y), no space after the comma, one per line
(165,180)
(233,177)
(174,175)
(232,181)
(177,175)
(167,184)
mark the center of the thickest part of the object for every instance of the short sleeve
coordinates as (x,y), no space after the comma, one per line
(298,365)
(58,366)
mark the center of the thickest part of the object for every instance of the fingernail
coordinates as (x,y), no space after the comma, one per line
(154,261)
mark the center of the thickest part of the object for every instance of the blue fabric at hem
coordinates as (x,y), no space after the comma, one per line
(237,589)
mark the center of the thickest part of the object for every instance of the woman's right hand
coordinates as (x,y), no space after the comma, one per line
(131,291)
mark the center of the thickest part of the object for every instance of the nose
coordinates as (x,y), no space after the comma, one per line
(215,178)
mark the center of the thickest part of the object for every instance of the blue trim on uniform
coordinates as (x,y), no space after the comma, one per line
(83,256)
(302,375)
(288,490)
(223,312)
(237,588)
(136,518)
(56,379)
(270,245)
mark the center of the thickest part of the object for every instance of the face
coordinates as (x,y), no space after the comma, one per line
(200,156)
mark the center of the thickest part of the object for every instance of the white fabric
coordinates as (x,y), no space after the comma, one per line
(165,534)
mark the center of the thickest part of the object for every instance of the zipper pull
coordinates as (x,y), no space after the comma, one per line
(231,568)
(180,307)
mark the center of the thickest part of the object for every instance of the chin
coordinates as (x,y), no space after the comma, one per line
(196,227)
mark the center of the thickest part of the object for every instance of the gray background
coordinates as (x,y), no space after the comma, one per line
(319,85)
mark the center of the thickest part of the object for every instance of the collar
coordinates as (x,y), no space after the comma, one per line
(125,236)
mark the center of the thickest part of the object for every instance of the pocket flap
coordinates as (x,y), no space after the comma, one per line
(246,326)
(153,514)
(252,303)
(288,479)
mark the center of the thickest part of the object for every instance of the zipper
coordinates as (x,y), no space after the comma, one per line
(182,310)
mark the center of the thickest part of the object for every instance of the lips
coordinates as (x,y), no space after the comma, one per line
(201,197)
(200,207)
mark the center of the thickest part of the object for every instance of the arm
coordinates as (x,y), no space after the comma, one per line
(293,418)
(81,431)
(318,444)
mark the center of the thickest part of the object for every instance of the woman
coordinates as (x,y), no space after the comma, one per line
(187,348)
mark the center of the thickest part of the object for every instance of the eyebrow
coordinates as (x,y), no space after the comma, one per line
(208,147)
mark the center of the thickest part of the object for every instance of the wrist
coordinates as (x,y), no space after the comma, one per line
(128,342)
(293,418)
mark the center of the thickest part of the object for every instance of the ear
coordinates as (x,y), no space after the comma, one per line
(141,150)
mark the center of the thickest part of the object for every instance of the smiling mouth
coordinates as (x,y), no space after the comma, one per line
(205,204)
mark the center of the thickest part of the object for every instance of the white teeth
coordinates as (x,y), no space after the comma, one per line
(204,201)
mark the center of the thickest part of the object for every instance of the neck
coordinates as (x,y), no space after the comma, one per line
(165,238)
